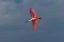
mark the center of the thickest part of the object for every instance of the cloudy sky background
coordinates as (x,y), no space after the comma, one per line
(14,13)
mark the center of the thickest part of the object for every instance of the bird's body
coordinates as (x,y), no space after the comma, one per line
(34,18)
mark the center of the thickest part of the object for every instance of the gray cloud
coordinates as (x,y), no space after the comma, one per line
(13,15)
(8,12)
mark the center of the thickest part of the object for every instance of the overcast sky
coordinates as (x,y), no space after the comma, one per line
(14,13)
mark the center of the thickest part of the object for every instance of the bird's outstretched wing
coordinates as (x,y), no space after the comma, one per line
(34,24)
(32,13)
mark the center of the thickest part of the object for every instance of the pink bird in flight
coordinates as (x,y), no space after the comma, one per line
(34,18)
